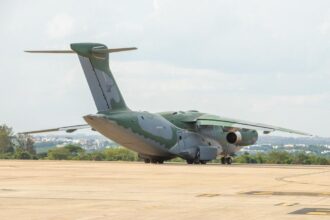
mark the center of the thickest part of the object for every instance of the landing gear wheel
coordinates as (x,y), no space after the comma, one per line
(156,160)
(147,160)
(223,160)
(190,161)
(203,161)
(229,160)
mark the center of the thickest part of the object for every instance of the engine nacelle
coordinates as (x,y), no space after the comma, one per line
(242,138)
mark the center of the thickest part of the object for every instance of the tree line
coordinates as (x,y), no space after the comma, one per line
(72,152)
(283,157)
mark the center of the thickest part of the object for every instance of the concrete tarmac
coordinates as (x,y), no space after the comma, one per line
(121,190)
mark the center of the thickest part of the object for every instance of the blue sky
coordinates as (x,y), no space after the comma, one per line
(263,61)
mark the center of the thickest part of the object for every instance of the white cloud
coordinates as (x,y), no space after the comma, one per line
(156,5)
(271,103)
(60,26)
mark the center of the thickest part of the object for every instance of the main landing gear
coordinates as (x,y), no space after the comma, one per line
(196,161)
(226,160)
(152,160)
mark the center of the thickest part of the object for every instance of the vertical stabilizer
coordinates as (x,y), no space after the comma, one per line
(94,59)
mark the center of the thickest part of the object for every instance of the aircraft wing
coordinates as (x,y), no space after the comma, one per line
(240,124)
(68,129)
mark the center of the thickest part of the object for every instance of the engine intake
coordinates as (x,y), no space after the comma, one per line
(242,138)
(234,137)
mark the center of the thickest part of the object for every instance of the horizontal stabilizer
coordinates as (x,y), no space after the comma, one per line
(68,129)
(49,51)
(111,50)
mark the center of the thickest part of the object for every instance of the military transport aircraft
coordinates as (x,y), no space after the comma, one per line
(194,136)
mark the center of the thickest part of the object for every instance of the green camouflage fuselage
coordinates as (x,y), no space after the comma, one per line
(162,135)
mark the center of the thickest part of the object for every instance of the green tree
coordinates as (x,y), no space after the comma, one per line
(246,158)
(42,155)
(23,155)
(68,152)
(59,153)
(6,135)
(279,157)
(74,149)
(26,143)
(120,153)
(260,158)
(320,160)
(301,158)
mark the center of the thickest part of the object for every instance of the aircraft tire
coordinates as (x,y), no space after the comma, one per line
(223,160)
(190,161)
(229,160)
(147,160)
(203,161)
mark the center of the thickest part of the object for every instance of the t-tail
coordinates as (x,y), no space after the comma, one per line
(94,59)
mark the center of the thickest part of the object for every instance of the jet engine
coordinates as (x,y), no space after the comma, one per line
(242,138)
